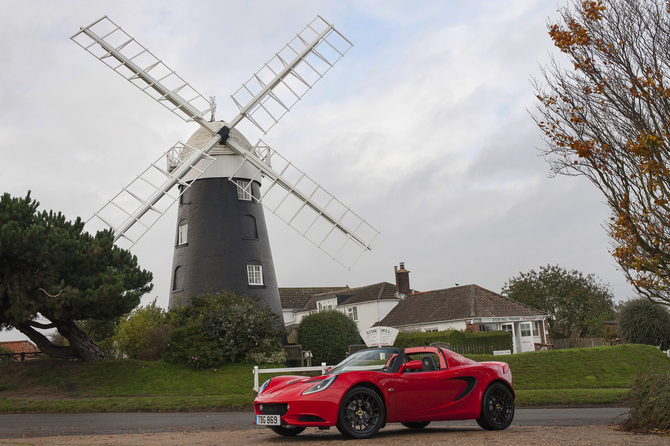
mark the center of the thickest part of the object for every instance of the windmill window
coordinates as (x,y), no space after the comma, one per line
(182,236)
(249,227)
(243,190)
(255,274)
(178,279)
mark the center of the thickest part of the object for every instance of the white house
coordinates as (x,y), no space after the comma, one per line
(398,306)
(472,307)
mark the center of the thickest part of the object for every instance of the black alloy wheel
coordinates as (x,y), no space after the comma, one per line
(287,430)
(497,408)
(361,413)
(416,424)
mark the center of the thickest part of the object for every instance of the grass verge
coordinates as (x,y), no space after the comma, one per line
(595,376)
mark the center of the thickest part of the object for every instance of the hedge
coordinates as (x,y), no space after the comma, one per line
(497,340)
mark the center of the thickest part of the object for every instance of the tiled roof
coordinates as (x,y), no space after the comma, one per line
(292,298)
(20,346)
(453,304)
(378,291)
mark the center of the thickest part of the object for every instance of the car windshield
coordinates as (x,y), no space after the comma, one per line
(378,359)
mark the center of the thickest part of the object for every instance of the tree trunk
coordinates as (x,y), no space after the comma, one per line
(83,344)
(45,345)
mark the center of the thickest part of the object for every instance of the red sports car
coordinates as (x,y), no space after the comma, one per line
(370,388)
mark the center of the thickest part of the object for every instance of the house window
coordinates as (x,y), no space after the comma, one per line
(182,235)
(430,329)
(487,327)
(255,274)
(353,313)
(509,328)
(536,328)
(525,329)
(243,190)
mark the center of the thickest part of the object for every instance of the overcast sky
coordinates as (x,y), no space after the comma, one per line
(423,129)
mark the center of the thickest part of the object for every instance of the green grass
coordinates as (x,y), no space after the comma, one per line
(564,377)
(582,368)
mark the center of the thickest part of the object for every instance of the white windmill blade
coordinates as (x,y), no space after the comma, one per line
(305,206)
(273,90)
(139,201)
(120,51)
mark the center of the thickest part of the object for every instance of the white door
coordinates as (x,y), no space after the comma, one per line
(526,337)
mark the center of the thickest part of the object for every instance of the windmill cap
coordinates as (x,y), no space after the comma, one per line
(202,136)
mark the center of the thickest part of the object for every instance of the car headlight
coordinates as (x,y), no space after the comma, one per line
(265,384)
(321,385)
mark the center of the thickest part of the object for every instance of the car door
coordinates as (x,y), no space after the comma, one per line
(426,390)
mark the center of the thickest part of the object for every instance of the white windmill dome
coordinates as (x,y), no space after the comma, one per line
(202,136)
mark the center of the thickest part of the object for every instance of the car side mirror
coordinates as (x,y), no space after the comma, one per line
(413,366)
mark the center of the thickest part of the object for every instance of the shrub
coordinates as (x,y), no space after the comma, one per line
(649,401)
(132,331)
(216,328)
(269,351)
(328,335)
(644,322)
(496,340)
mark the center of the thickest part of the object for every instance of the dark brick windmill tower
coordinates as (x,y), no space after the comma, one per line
(221,240)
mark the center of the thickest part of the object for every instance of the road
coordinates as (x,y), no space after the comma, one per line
(48,425)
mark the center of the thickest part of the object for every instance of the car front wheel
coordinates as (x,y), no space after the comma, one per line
(497,408)
(361,413)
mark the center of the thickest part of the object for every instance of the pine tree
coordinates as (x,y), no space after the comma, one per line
(51,269)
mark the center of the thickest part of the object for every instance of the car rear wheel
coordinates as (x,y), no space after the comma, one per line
(286,430)
(497,408)
(361,413)
(416,424)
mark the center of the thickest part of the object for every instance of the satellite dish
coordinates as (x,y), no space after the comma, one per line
(216,176)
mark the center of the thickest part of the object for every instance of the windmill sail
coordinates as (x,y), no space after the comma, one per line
(306,206)
(262,101)
(107,42)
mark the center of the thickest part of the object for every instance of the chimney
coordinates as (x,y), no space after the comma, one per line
(402,279)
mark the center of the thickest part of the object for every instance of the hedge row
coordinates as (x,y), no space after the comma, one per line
(501,340)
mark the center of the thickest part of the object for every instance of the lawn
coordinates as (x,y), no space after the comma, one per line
(600,375)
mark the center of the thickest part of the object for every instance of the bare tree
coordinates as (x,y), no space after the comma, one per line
(607,117)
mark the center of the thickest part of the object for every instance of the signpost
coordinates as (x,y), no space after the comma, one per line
(379,336)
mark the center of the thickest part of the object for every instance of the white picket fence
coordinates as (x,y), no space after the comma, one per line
(286,370)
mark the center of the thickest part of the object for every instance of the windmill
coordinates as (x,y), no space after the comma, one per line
(221,240)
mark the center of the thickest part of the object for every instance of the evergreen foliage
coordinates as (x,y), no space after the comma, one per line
(578,304)
(328,335)
(50,267)
(496,340)
(217,328)
(644,322)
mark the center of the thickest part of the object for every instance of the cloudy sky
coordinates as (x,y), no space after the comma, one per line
(423,129)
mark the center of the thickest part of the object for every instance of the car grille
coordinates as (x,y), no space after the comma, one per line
(274,409)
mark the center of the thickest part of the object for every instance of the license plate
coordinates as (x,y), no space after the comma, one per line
(268,420)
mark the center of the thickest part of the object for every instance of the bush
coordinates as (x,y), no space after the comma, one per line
(649,401)
(644,322)
(496,340)
(133,330)
(328,335)
(216,328)
(270,351)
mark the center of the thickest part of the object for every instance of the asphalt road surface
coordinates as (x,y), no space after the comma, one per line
(38,425)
